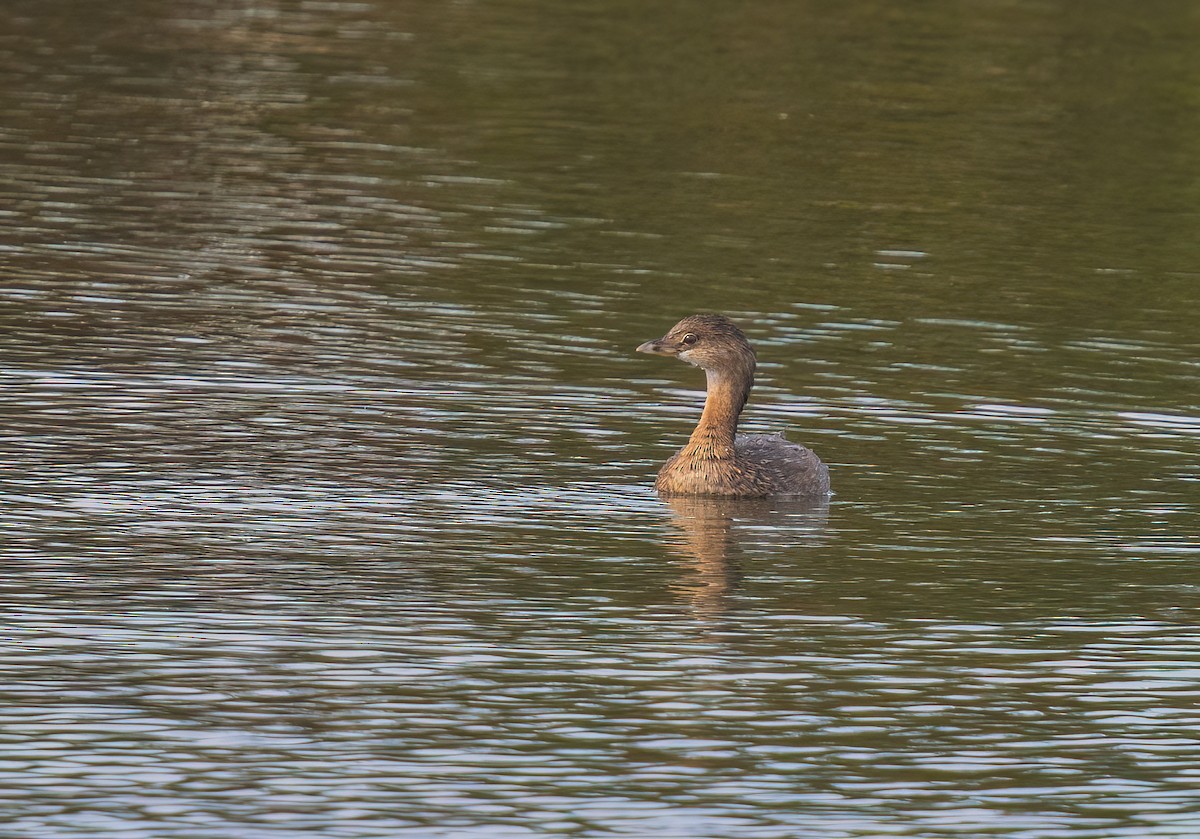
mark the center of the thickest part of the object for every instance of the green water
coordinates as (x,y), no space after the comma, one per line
(326,503)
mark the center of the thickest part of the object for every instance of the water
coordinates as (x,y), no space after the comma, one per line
(326,501)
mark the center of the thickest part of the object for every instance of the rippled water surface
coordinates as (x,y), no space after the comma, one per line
(326,506)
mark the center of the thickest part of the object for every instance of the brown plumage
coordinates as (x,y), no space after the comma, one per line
(717,460)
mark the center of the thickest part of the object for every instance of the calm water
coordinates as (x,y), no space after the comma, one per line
(326,506)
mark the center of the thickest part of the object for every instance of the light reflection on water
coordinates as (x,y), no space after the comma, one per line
(500,716)
(305,586)
(326,502)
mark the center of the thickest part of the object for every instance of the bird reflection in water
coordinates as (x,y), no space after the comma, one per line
(713,534)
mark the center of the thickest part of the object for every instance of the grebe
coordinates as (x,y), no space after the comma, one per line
(717,460)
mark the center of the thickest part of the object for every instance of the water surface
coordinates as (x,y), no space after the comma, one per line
(326,502)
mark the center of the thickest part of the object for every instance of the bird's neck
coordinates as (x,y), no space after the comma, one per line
(716,432)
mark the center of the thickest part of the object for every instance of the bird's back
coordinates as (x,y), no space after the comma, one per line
(790,468)
(762,465)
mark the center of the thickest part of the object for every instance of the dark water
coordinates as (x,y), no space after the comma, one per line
(326,504)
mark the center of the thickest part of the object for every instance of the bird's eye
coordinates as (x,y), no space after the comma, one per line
(689,339)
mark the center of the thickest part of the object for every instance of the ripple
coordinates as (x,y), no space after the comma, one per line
(326,496)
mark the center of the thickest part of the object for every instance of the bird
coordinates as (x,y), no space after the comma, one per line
(717,461)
